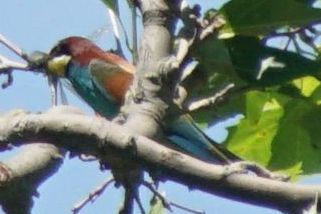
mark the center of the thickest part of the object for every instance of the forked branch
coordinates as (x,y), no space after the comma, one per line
(83,134)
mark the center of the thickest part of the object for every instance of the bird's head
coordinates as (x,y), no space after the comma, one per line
(78,49)
(59,58)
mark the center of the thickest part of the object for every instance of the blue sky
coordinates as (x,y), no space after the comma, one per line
(38,25)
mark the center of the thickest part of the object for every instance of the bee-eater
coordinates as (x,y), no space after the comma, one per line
(102,80)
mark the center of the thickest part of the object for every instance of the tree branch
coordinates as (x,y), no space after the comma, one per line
(92,196)
(96,136)
(22,174)
(209,101)
(12,46)
(152,91)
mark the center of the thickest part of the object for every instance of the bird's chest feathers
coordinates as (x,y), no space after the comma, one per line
(82,82)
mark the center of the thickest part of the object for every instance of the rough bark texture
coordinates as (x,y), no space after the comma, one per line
(22,174)
(150,100)
(80,133)
(150,93)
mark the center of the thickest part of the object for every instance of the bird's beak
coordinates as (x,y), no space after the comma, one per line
(58,65)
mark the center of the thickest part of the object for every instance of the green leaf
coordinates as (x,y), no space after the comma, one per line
(232,106)
(307,85)
(260,17)
(110,3)
(215,66)
(157,206)
(213,72)
(280,132)
(264,66)
(298,138)
(246,62)
(316,96)
(253,136)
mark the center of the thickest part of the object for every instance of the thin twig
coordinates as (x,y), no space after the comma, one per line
(300,32)
(116,33)
(128,204)
(6,67)
(216,23)
(289,33)
(134,26)
(300,51)
(186,208)
(287,44)
(139,202)
(92,195)
(114,18)
(12,47)
(187,33)
(167,204)
(309,40)
(6,63)
(87,158)
(126,35)
(210,100)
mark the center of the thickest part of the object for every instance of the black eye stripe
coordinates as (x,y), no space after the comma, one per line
(60,49)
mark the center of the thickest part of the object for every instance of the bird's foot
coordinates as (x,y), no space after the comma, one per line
(246,167)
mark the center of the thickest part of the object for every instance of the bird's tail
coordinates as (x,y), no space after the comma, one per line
(185,135)
(222,153)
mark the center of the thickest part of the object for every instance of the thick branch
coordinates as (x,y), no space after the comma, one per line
(151,94)
(94,135)
(22,174)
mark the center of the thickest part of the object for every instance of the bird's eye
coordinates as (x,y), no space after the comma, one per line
(56,51)
(59,50)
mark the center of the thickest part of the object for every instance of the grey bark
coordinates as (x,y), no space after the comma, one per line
(95,136)
(22,174)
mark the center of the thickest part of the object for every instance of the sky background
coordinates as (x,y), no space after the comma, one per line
(38,25)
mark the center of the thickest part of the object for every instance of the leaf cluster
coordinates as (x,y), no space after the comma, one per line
(264,51)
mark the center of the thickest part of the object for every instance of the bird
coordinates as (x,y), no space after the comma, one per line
(102,79)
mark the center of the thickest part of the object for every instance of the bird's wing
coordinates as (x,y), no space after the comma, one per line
(111,79)
(121,62)
(100,70)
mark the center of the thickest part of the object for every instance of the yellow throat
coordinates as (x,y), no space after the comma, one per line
(58,65)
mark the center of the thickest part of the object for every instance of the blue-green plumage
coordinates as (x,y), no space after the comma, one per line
(102,80)
(84,85)
(184,134)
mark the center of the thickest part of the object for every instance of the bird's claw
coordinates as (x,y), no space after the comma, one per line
(246,167)
(234,168)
